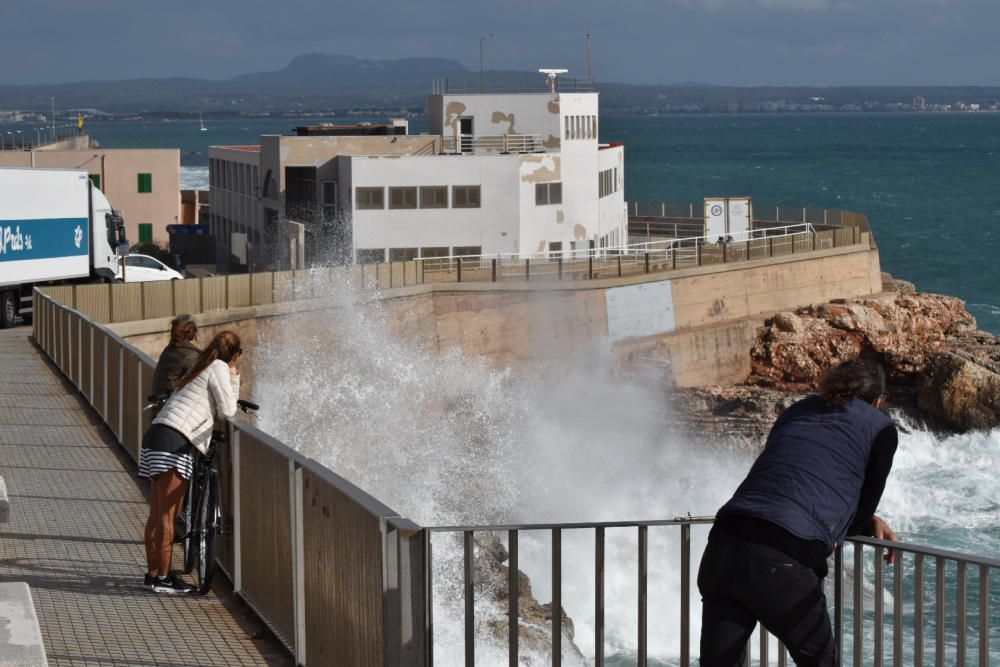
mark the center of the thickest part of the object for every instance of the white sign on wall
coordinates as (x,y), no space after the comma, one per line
(636,311)
(727,216)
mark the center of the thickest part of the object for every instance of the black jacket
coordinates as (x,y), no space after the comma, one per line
(174,364)
(819,478)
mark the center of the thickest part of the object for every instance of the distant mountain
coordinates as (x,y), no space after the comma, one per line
(318,82)
(319,68)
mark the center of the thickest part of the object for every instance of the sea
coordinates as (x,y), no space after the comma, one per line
(930,185)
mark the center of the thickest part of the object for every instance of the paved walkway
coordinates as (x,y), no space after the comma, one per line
(75,537)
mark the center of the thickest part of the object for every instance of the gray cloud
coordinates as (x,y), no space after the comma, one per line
(655,41)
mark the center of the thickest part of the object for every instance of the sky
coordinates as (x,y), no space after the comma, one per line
(725,42)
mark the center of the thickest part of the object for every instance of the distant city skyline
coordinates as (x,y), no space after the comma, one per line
(723,42)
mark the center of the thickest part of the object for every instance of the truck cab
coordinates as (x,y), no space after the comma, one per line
(108,244)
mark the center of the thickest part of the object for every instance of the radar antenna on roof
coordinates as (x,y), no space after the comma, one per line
(553,77)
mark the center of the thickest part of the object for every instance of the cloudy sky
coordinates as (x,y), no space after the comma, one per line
(740,42)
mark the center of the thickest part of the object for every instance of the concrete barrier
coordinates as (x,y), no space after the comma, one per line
(20,637)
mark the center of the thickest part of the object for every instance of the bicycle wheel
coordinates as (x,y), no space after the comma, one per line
(207,527)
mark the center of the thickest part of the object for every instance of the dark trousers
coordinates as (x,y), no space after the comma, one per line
(743,583)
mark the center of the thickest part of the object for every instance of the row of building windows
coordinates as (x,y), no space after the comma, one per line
(548,193)
(411,197)
(607,182)
(232,176)
(580,127)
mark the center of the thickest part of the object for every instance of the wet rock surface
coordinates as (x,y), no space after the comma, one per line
(943,371)
(535,619)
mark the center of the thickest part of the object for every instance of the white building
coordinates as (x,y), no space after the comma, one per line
(497,173)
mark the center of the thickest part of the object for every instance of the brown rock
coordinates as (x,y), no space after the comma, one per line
(960,391)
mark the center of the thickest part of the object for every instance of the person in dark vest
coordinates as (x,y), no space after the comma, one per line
(819,479)
(178,356)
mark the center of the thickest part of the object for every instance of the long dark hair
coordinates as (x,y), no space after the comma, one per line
(224,346)
(182,330)
(857,378)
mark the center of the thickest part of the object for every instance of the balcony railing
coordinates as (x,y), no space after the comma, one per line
(493,143)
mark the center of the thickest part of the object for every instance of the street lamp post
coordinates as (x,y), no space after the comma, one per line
(22,140)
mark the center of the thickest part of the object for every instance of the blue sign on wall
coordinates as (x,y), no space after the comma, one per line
(43,239)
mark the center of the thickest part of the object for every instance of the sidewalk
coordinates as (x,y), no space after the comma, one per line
(75,537)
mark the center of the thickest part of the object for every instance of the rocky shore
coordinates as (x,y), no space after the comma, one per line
(943,371)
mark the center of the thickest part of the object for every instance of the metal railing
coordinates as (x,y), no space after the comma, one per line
(653,212)
(321,562)
(127,302)
(951,646)
(537,85)
(492,143)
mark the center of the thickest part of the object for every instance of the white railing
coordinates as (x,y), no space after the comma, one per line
(493,143)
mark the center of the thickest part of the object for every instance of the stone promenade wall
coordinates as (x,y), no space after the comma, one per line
(701,322)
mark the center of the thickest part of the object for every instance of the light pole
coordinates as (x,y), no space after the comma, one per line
(53,118)
(22,140)
(482,63)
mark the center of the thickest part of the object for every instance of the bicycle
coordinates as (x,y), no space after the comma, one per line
(200,522)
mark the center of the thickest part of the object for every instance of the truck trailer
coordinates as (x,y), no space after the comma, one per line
(55,228)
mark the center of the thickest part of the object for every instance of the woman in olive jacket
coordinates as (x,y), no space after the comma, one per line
(178,356)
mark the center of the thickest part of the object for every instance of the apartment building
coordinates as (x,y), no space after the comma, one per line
(496,174)
(142,183)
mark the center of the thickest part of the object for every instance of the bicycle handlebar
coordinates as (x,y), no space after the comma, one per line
(158,401)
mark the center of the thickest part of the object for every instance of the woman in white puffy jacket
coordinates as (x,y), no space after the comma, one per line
(207,392)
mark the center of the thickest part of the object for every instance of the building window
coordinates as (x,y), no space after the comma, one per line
(366,199)
(465,196)
(555,249)
(145,232)
(548,193)
(329,199)
(145,183)
(402,254)
(608,182)
(435,196)
(402,197)
(371,255)
(427,253)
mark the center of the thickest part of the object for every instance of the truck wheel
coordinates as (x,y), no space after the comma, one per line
(8,310)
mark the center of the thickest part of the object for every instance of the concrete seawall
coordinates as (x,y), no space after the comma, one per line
(701,321)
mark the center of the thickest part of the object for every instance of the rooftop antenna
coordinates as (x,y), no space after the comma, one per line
(590,71)
(553,78)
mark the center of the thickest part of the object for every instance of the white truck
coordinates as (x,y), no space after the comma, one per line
(55,228)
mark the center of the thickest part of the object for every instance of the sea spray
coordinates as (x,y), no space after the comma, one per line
(444,438)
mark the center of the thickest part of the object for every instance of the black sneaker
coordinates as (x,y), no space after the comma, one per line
(172,584)
(148,582)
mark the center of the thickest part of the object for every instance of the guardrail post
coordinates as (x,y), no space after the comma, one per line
(459,269)
(296,487)
(599,596)
(590,267)
(646,261)
(673,258)
(685,594)
(619,265)
(493,269)
(697,253)
(559,263)
(725,252)
(527,270)
(814,240)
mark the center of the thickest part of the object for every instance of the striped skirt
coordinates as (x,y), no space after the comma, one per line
(164,449)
